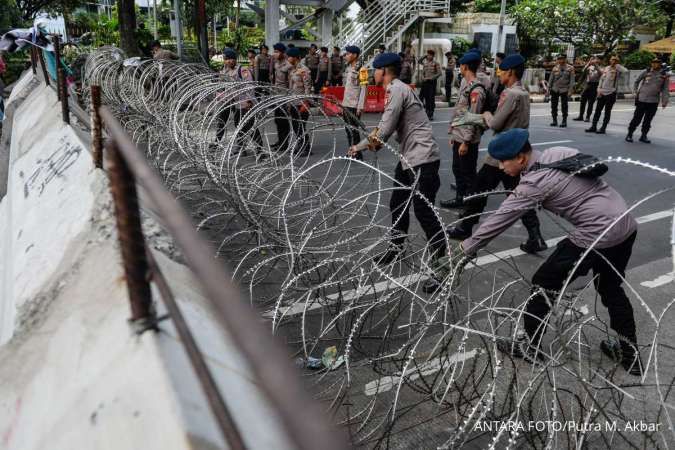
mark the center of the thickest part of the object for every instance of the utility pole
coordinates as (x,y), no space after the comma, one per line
(500,32)
(179,28)
(155,33)
(201,30)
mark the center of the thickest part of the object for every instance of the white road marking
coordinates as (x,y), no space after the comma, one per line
(407,280)
(659,281)
(385,384)
(572,112)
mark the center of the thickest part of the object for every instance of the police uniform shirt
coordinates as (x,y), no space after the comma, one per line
(240,73)
(609,80)
(312,60)
(300,80)
(513,111)
(355,88)
(324,63)
(405,115)
(590,205)
(262,62)
(281,72)
(469,100)
(593,73)
(431,70)
(406,70)
(336,64)
(562,79)
(652,85)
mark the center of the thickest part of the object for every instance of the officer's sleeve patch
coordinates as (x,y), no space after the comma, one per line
(474,97)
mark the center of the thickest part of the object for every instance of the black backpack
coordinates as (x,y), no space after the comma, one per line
(581,165)
(491,99)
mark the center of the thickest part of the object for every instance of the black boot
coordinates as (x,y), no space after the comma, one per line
(578,118)
(592,129)
(602,130)
(555,122)
(535,243)
(457,202)
(629,136)
(563,124)
(393,253)
(625,353)
(644,139)
(458,232)
(587,119)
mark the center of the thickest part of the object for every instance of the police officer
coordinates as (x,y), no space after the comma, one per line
(607,87)
(300,83)
(323,69)
(449,77)
(465,140)
(419,158)
(337,66)
(312,61)
(650,87)
(250,55)
(591,73)
(431,71)
(598,213)
(355,84)
(497,86)
(245,101)
(282,70)
(561,85)
(406,69)
(513,111)
(262,65)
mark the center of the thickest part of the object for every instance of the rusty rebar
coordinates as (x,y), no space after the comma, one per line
(132,242)
(57,65)
(96,134)
(63,95)
(45,74)
(220,411)
(33,64)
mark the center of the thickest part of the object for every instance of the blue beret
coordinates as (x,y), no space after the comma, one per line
(508,144)
(353,49)
(229,53)
(469,57)
(512,61)
(386,59)
(279,46)
(475,50)
(293,51)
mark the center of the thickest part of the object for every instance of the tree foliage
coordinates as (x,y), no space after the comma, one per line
(585,23)
(10,17)
(30,8)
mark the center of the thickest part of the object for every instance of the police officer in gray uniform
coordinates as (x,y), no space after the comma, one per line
(420,158)
(597,212)
(311,61)
(513,111)
(323,70)
(263,62)
(607,86)
(465,139)
(650,87)
(591,73)
(431,71)
(337,66)
(561,85)
(355,83)
(299,83)
(281,78)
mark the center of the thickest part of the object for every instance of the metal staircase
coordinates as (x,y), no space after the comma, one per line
(385,21)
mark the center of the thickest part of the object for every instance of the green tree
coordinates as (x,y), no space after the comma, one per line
(30,8)
(10,17)
(585,22)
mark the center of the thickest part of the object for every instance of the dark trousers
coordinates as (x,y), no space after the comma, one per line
(609,267)
(427,185)
(605,102)
(487,179)
(336,80)
(321,82)
(299,121)
(245,129)
(352,128)
(464,168)
(283,127)
(564,100)
(313,73)
(449,77)
(644,112)
(588,99)
(428,96)
(263,76)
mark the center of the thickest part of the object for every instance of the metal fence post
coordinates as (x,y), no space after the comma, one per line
(57,55)
(96,134)
(33,64)
(45,74)
(63,95)
(132,242)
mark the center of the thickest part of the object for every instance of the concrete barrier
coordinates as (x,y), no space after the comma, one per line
(72,375)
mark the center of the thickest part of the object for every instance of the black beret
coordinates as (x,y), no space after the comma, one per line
(294,52)
(280,47)
(229,53)
(353,49)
